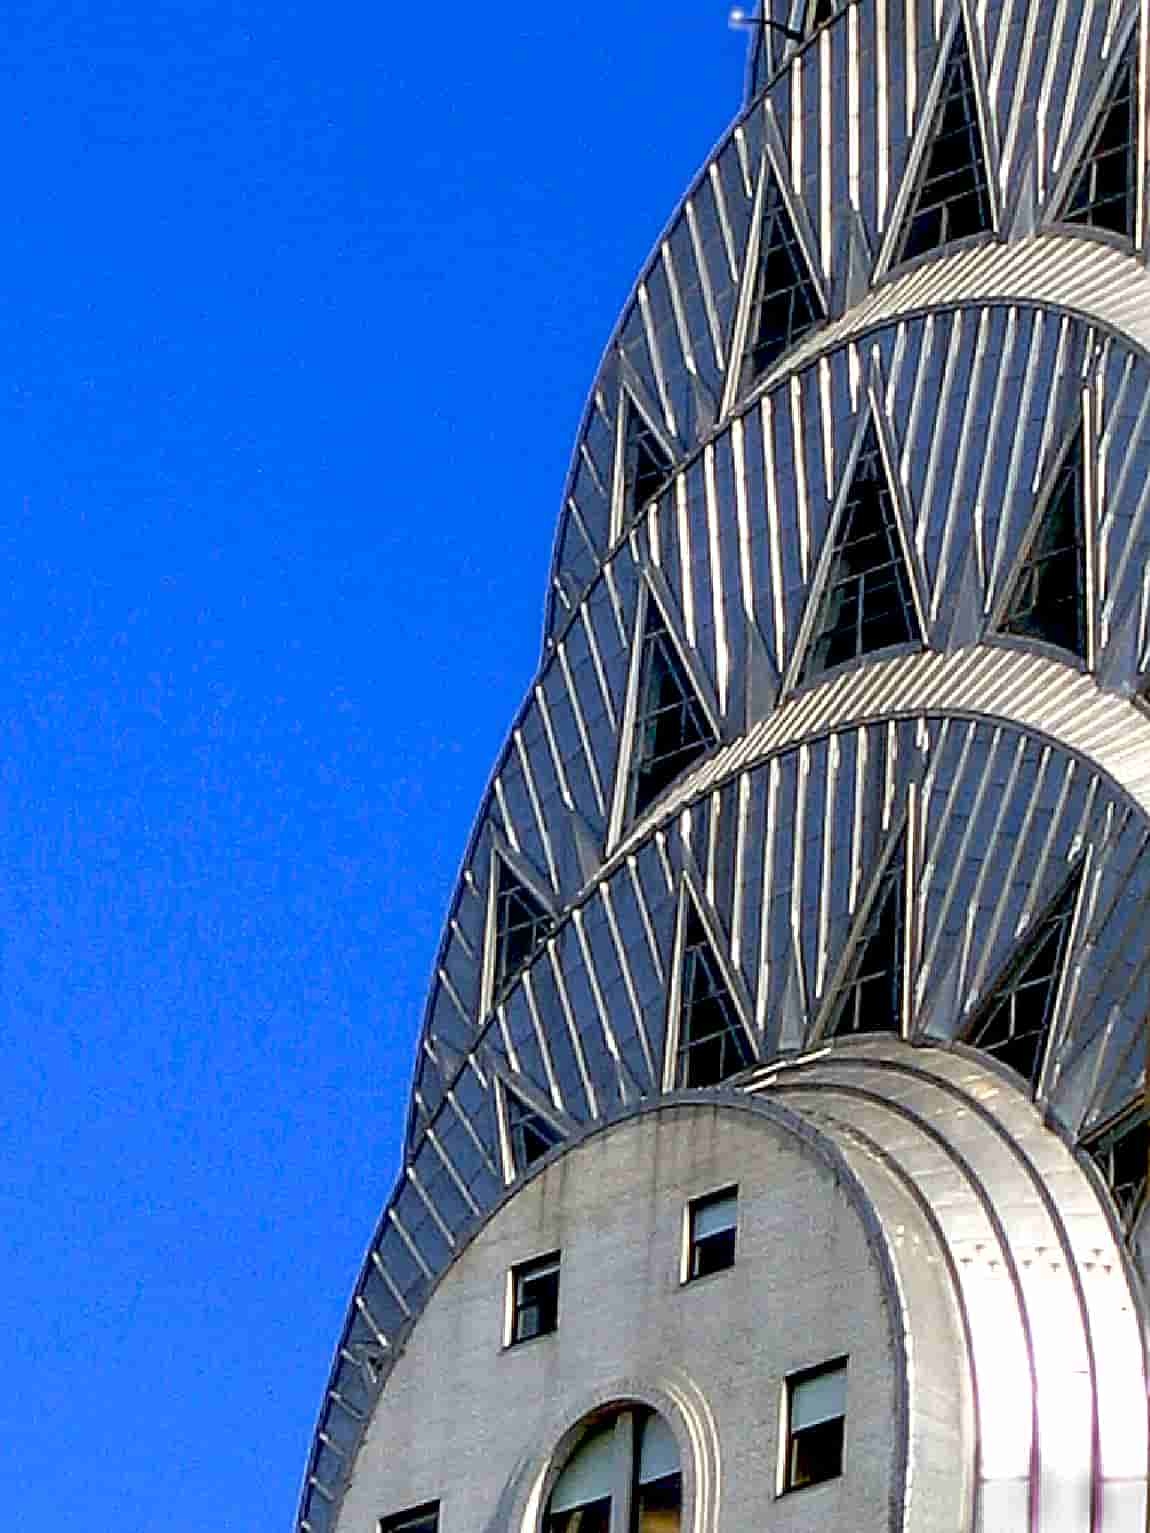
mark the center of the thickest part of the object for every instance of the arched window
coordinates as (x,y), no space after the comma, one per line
(628,1464)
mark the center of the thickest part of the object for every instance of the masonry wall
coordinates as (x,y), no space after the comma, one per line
(481,1426)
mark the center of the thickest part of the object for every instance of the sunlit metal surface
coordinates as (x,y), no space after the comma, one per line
(1053,1318)
(997,765)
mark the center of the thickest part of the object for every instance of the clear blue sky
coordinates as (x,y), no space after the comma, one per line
(301,304)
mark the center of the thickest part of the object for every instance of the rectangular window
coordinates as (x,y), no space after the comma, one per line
(420,1519)
(816,1421)
(711,1228)
(534,1298)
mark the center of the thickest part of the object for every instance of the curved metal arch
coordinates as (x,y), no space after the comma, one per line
(1005,1118)
(549,676)
(606,879)
(1077,277)
(1004,683)
(1008,278)
(1022,258)
(990,684)
(1071,275)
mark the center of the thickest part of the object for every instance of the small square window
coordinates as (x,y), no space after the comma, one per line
(420,1519)
(816,1422)
(712,1223)
(534,1298)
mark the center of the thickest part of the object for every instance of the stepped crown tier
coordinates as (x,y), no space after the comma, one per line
(840,726)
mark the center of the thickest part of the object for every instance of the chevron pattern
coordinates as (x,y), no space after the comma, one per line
(706,493)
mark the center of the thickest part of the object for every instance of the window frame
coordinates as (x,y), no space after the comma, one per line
(692,1242)
(626,1421)
(413,1520)
(687,1042)
(1129,1198)
(546,1265)
(791,1384)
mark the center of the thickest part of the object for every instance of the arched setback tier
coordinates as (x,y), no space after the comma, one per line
(974,411)
(996,774)
(917,1268)
(1056,1338)
(769,859)
(833,784)
(842,129)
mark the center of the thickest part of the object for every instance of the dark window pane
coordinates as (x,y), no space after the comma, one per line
(606,1461)
(816,1418)
(816,1454)
(786,303)
(1014,1023)
(659,1505)
(646,466)
(671,727)
(867,603)
(1102,194)
(536,1298)
(870,995)
(530,1133)
(1048,600)
(713,1253)
(711,1232)
(593,1518)
(420,1519)
(1123,1157)
(952,199)
(713,1043)
(521,924)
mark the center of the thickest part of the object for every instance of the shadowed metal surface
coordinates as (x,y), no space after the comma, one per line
(998,767)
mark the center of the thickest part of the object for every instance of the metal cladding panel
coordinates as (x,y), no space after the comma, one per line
(734,191)
(598,447)
(664,340)
(757,558)
(1007,768)
(602,618)
(867,83)
(718,274)
(522,1040)
(622,1021)
(641,944)
(723,854)
(993,1303)
(545,1002)
(475,1108)
(1035,1261)
(596,1043)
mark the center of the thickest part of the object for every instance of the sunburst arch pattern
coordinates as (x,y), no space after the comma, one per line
(1005,763)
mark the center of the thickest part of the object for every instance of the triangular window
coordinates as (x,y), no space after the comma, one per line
(952,199)
(821,12)
(1048,599)
(1123,1157)
(869,999)
(646,465)
(1015,1022)
(521,924)
(713,1042)
(786,303)
(1102,193)
(529,1132)
(867,602)
(671,728)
